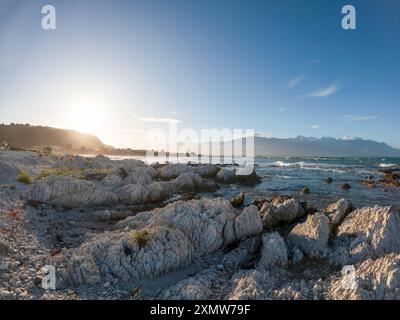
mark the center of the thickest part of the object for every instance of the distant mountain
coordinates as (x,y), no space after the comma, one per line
(322,147)
(27,136)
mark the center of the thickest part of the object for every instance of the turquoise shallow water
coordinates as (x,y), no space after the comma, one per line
(288,176)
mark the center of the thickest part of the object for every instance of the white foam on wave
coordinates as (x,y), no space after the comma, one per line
(311,166)
(387,165)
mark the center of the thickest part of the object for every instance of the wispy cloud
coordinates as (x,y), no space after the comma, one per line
(314,61)
(315,126)
(294,82)
(324,92)
(357,117)
(158,120)
(282,109)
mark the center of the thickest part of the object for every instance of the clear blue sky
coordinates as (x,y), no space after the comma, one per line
(283,68)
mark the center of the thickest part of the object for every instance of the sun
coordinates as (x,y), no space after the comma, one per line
(87,114)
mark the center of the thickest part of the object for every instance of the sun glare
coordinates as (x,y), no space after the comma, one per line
(87,114)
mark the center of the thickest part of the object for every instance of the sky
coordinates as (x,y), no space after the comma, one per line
(282,68)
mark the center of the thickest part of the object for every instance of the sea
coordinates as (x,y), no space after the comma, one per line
(287,176)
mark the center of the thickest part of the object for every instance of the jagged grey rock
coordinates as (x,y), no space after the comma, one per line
(112,180)
(248,223)
(246,175)
(366,233)
(280,210)
(311,237)
(273,251)
(72,161)
(175,236)
(296,255)
(198,287)
(337,211)
(143,193)
(372,280)
(241,255)
(193,182)
(207,170)
(251,285)
(67,191)
(226,175)
(173,170)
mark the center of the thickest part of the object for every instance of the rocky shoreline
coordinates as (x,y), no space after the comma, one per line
(127,230)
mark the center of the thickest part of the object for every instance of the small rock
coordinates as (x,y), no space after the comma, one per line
(237,201)
(329,180)
(305,190)
(37,281)
(346,186)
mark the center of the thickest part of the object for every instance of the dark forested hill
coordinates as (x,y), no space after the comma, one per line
(27,136)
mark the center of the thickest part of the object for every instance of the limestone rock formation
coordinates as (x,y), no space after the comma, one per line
(67,191)
(193,182)
(366,233)
(273,251)
(173,170)
(371,280)
(337,211)
(199,287)
(311,237)
(251,285)
(143,193)
(280,210)
(245,176)
(156,242)
(248,223)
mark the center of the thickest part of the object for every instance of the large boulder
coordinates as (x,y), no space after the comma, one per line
(245,176)
(193,182)
(156,242)
(243,254)
(337,211)
(366,233)
(280,210)
(206,170)
(71,192)
(248,223)
(226,175)
(370,280)
(173,170)
(311,237)
(273,252)
(67,191)
(143,193)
